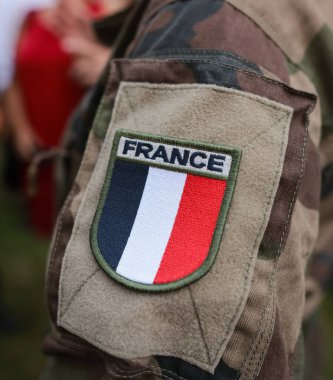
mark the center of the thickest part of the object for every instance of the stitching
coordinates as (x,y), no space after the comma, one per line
(248,143)
(79,290)
(265,79)
(61,337)
(304,146)
(79,176)
(305,141)
(261,335)
(272,273)
(185,355)
(68,201)
(247,270)
(71,197)
(267,27)
(255,243)
(295,359)
(139,370)
(75,232)
(58,233)
(240,59)
(270,323)
(145,369)
(134,370)
(64,262)
(206,265)
(93,349)
(199,323)
(269,335)
(198,56)
(111,372)
(269,320)
(57,238)
(233,92)
(65,208)
(271,277)
(75,229)
(291,204)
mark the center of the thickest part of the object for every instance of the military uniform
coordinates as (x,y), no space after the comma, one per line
(182,246)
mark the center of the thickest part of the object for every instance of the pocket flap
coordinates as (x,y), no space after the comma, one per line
(193,322)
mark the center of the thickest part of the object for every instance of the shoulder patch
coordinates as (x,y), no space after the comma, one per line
(161,214)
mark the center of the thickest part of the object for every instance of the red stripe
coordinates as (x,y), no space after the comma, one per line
(194,227)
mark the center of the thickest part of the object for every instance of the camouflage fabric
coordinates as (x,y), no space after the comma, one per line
(269,49)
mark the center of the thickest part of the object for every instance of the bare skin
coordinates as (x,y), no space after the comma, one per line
(90,57)
(25,139)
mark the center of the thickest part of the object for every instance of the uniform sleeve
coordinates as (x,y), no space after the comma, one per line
(193,213)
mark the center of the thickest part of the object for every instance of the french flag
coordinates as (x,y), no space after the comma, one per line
(157,224)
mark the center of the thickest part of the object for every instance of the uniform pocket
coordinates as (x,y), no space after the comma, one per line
(129,313)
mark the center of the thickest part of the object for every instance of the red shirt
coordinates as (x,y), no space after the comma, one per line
(49,93)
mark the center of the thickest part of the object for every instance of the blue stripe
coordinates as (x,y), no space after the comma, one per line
(120,209)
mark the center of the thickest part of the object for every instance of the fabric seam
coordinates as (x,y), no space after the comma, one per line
(241,60)
(206,266)
(230,91)
(292,202)
(286,114)
(65,261)
(199,323)
(271,288)
(263,78)
(256,241)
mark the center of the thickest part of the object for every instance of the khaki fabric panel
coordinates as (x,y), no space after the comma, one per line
(284,18)
(65,222)
(290,272)
(196,322)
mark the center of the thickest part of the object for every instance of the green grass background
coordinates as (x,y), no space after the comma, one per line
(22,267)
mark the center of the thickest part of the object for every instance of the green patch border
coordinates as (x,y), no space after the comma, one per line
(235,153)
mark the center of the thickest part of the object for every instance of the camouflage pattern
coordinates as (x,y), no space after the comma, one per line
(268,49)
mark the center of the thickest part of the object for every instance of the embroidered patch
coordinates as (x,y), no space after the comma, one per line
(162,210)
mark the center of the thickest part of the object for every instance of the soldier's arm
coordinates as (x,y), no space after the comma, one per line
(180,252)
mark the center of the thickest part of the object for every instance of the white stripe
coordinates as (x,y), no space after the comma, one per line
(152,226)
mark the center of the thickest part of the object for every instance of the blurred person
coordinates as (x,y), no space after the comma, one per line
(90,46)
(90,54)
(41,98)
(12,15)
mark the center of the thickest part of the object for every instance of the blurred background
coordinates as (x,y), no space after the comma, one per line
(51,54)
